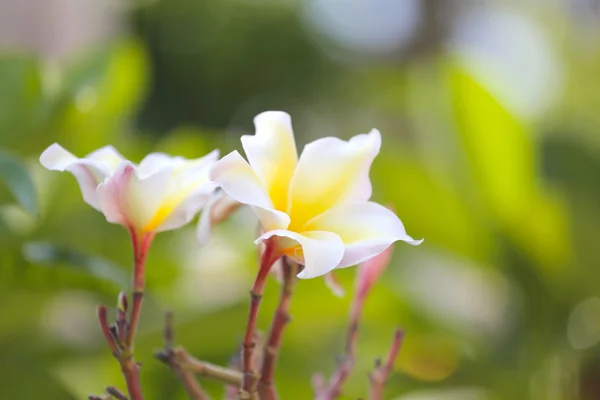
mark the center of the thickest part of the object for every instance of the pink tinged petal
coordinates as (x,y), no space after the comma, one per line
(334,285)
(331,171)
(366,229)
(129,200)
(238,180)
(272,154)
(318,251)
(89,173)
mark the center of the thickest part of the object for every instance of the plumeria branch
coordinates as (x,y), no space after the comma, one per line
(185,367)
(110,393)
(141,244)
(120,336)
(116,393)
(381,372)
(368,273)
(250,377)
(280,320)
(168,356)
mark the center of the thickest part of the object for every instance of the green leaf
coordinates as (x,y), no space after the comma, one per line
(503,159)
(21,88)
(16,178)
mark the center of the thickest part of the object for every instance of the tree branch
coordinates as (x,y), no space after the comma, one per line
(381,372)
(250,377)
(168,356)
(280,320)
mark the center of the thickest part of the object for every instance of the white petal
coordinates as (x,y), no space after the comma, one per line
(188,191)
(129,200)
(89,173)
(107,156)
(186,210)
(318,251)
(331,171)
(218,208)
(272,154)
(366,228)
(238,180)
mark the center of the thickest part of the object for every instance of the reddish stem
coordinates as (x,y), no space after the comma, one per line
(131,372)
(280,320)
(334,388)
(105,328)
(121,336)
(249,383)
(381,372)
(141,244)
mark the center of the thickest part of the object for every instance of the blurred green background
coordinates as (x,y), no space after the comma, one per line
(489,111)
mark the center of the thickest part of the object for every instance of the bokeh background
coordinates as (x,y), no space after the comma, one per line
(490,113)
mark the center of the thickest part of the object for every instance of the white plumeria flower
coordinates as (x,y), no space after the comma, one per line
(159,194)
(316,205)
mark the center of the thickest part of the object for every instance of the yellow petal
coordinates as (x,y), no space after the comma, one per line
(330,171)
(240,182)
(272,154)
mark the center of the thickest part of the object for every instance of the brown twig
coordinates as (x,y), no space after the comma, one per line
(250,378)
(168,356)
(105,328)
(120,336)
(116,393)
(333,389)
(368,273)
(94,397)
(381,372)
(280,320)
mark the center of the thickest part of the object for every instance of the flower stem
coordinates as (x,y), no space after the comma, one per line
(381,372)
(120,337)
(280,320)
(141,245)
(250,378)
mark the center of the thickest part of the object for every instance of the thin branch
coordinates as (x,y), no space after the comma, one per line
(120,336)
(206,369)
(368,273)
(380,374)
(250,377)
(333,389)
(280,320)
(167,356)
(121,323)
(94,397)
(140,246)
(105,328)
(116,393)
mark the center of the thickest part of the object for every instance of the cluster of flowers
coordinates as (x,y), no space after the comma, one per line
(313,209)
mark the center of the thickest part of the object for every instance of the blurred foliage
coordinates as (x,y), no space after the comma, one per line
(507,201)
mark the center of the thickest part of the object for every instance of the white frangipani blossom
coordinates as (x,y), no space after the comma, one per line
(159,194)
(316,206)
